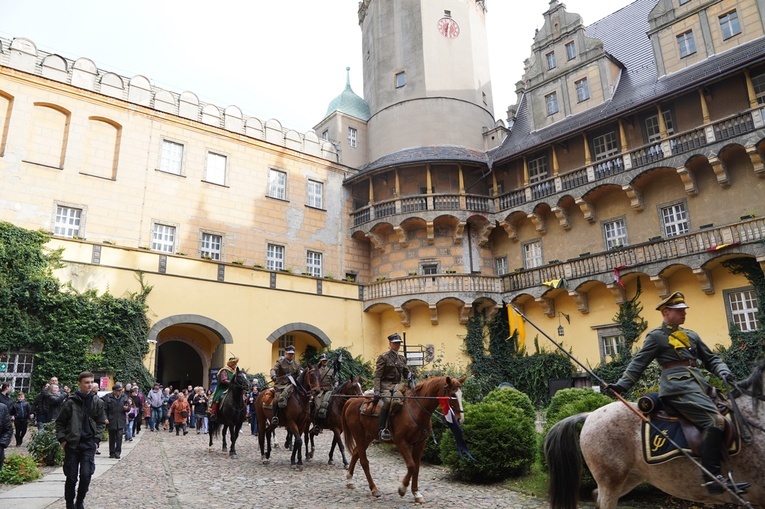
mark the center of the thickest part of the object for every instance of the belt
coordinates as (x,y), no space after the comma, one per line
(675,364)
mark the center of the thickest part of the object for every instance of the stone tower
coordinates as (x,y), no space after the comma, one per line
(426,74)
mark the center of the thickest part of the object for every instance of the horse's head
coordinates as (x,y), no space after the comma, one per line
(350,387)
(240,381)
(310,378)
(453,388)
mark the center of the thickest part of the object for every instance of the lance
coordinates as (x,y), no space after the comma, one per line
(637,412)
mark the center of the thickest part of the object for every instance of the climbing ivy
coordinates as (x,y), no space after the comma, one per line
(68,332)
(494,358)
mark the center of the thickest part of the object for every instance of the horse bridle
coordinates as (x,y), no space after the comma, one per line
(442,417)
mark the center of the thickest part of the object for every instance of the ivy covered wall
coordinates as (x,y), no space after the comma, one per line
(68,332)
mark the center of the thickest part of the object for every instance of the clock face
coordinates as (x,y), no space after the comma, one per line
(448,28)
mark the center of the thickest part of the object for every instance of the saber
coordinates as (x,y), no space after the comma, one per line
(637,412)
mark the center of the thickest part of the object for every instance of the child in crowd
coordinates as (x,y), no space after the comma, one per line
(131,415)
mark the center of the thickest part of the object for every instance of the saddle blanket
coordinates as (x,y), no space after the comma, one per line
(658,449)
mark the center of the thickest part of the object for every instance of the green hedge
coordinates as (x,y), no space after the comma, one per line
(500,437)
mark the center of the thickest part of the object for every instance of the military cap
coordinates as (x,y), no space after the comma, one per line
(323,357)
(117,387)
(674,301)
(394,338)
(289,349)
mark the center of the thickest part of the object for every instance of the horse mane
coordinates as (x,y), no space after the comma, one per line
(431,384)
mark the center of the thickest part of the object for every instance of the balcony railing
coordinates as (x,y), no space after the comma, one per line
(680,143)
(710,239)
(664,250)
(433,284)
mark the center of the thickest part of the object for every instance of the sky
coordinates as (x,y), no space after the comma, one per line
(282,59)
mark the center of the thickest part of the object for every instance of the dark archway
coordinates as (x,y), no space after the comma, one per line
(179,365)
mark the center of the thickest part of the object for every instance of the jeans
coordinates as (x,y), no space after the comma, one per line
(80,459)
(156,418)
(206,423)
(129,431)
(253,423)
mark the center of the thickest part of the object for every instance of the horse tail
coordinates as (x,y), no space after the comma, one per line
(564,460)
(350,443)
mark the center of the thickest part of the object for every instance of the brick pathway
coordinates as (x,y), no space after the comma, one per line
(164,471)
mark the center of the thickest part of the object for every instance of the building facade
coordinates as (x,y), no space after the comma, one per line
(634,155)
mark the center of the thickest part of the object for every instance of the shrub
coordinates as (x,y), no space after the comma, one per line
(19,469)
(44,447)
(500,437)
(512,397)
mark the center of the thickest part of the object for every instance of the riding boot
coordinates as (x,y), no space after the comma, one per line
(711,459)
(275,417)
(384,432)
(213,410)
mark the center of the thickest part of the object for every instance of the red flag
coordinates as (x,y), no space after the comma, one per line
(618,277)
(451,421)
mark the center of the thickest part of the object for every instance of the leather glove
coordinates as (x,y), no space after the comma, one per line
(728,377)
(377,396)
(613,388)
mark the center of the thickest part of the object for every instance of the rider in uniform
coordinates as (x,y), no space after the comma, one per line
(284,367)
(225,375)
(389,370)
(682,385)
(327,381)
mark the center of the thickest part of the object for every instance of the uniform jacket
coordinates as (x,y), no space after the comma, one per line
(326,377)
(70,421)
(389,370)
(115,407)
(282,368)
(671,344)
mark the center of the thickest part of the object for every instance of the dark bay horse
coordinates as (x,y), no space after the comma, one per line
(610,442)
(334,419)
(232,411)
(410,427)
(295,416)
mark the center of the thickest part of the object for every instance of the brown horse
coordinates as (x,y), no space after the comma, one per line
(410,426)
(295,416)
(334,420)
(610,442)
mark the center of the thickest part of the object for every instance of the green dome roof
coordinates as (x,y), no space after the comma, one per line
(348,102)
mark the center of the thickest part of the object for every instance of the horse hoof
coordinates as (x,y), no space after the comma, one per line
(418,498)
(233,456)
(266,462)
(376,493)
(331,462)
(401,491)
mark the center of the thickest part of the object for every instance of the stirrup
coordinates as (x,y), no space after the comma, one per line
(384,435)
(714,488)
(274,421)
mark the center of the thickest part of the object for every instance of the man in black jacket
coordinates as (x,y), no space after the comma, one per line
(6,431)
(116,405)
(78,429)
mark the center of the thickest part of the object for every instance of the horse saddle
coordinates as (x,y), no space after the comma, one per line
(656,447)
(268,397)
(369,407)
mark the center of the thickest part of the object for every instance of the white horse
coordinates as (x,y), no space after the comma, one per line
(610,442)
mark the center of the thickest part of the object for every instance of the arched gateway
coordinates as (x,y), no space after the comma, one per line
(186,347)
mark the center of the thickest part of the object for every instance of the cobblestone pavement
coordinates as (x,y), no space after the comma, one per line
(165,471)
